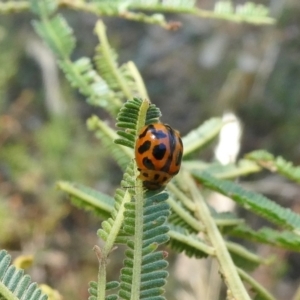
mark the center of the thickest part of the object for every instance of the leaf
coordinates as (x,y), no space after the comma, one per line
(129,117)
(183,241)
(88,198)
(283,239)
(121,154)
(254,202)
(230,171)
(14,284)
(152,264)
(107,65)
(57,34)
(260,292)
(275,164)
(201,136)
(83,77)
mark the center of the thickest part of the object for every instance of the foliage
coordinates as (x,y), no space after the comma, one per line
(14,284)
(144,220)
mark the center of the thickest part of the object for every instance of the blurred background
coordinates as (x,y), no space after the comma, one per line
(202,70)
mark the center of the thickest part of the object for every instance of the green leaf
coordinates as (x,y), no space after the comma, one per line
(244,258)
(83,77)
(129,117)
(276,164)
(57,34)
(202,135)
(154,232)
(183,241)
(260,292)
(88,198)
(14,284)
(125,81)
(230,171)
(121,154)
(283,239)
(254,202)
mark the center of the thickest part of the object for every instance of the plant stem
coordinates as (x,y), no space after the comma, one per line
(139,205)
(101,273)
(138,242)
(259,288)
(228,268)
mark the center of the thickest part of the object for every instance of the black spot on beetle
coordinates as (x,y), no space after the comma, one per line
(166,167)
(164,179)
(159,151)
(144,147)
(156,177)
(143,134)
(148,163)
(145,174)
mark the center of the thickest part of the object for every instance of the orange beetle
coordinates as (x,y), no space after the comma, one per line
(158,153)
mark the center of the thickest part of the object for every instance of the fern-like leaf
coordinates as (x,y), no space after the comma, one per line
(109,286)
(87,198)
(107,65)
(109,232)
(155,213)
(276,164)
(83,77)
(183,241)
(57,34)
(283,239)
(241,168)
(14,284)
(252,201)
(202,135)
(121,198)
(128,118)
(121,154)
(124,80)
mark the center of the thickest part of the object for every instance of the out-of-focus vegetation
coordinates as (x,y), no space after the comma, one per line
(203,69)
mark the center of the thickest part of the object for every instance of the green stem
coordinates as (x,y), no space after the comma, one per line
(138,241)
(257,287)
(139,205)
(103,253)
(15,6)
(243,252)
(228,268)
(185,215)
(101,285)
(191,242)
(207,14)
(186,201)
(6,293)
